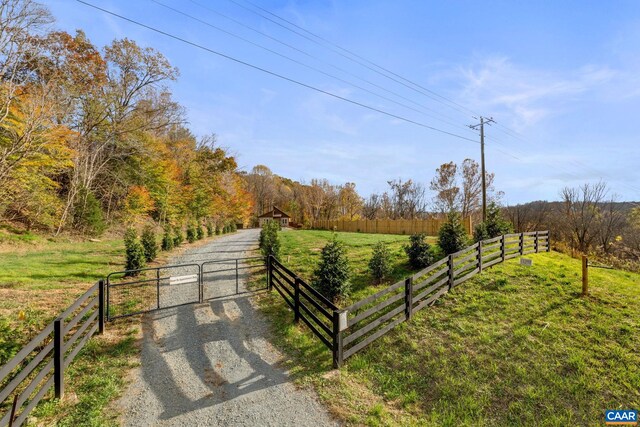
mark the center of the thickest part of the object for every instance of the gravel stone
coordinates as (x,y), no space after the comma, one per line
(211,364)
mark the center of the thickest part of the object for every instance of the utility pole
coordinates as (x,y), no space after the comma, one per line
(483,121)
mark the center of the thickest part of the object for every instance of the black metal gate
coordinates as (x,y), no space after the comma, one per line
(141,291)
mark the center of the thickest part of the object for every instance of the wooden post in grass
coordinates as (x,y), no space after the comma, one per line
(408,298)
(101,311)
(296,299)
(58,357)
(450,271)
(339,325)
(269,273)
(585,275)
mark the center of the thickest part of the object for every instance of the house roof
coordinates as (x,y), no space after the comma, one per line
(275,213)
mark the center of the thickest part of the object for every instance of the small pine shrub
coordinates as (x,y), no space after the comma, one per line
(178,236)
(167,239)
(494,226)
(149,243)
(199,232)
(191,232)
(380,262)
(134,252)
(234,227)
(88,214)
(480,232)
(8,347)
(419,251)
(331,278)
(210,229)
(269,241)
(218,230)
(452,236)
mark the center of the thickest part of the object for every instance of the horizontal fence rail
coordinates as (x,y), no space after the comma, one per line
(308,305)
(134,292)
(29,375)
(39,366)
(348,331)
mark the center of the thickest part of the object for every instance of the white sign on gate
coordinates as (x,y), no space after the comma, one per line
(181,280)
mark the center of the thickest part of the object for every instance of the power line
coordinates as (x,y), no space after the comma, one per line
(357,59)
(421,111)
(461,107)
(280,76)
(343,70)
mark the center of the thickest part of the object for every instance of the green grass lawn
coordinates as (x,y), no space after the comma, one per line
(41,277)
(301,252)
(514,345)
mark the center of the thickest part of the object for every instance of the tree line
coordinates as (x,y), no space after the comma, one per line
(588,219)
(453,188)
(91,137)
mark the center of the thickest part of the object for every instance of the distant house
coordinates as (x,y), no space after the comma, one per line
(274,215)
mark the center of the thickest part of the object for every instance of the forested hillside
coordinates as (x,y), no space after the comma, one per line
(91,137)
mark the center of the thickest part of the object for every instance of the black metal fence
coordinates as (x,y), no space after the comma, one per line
(134,292)
(347,331)
(40,365)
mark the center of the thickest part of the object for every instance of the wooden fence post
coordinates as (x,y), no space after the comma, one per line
(450,272)
(548,241)
(101,313)
(269,273)
(502,248)
(408,297)
(58,357)
(521,243)
(537,250)
(480,256)
(585,275)
(296,299)
(338,327)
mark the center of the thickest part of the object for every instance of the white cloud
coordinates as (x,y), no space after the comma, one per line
(525,96)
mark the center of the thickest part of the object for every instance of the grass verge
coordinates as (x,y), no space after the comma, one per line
(515,346)
(38,280)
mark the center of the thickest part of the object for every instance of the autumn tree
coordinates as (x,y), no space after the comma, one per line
(407,199)
(350,201)
(581,214)
(444,184)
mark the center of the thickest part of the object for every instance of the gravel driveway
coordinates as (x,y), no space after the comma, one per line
(212,364)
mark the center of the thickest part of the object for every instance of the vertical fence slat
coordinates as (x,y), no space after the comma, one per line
(296,299)
(269,273)
(58,357)
(101,314)
(237,279)
(158,288)
(450,271)
(479,256)
(548,241)
(338,358)
(521,243)
(408,297)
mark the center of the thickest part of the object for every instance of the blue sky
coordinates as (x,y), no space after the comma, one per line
(562,79)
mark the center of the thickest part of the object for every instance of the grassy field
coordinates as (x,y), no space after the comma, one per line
(301,252)
(39,278)
(515,345)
